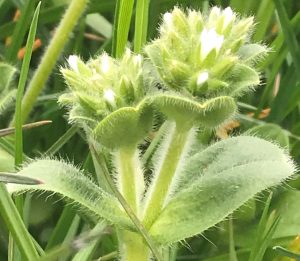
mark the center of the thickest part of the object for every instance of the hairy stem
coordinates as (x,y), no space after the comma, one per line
(173,151)
(133,247)
(51,55)
(130,176)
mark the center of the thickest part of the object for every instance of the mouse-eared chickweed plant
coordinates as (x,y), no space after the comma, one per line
(189,77)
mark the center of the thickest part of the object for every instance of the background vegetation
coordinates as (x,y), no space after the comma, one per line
(272,112)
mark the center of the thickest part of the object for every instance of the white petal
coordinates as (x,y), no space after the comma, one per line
(105,63)
(109,95)
(215,11)
(73,62)
(229,16)
(138,60)
(202,78)
(210,40)
(168,19)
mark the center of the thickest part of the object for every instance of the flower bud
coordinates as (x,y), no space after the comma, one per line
(102,85)
(202,57)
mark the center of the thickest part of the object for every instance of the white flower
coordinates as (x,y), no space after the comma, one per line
(109,96)
(229,16)
(215,11)
(210,40)
(73,63)
(138,60)
(202,78)
(105,63)
(168,19)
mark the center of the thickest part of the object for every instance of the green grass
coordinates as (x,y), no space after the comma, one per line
(87,28)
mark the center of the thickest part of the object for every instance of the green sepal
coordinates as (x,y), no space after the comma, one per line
(125,126)
(251,53)
(210,113)
(221,179)
(242,78)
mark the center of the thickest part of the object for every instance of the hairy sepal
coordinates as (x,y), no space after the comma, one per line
(125,127)
(242,78)
(219,180)
(210,113)
(69,182)
(252,53)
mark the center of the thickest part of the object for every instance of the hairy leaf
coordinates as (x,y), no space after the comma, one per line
(271,132)
(66,180)
(7,73)
(210,113)
(218,180)
(125,126)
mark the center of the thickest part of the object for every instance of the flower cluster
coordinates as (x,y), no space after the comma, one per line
(102,86)
(206,55)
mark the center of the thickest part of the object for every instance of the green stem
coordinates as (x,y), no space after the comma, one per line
(174,150)
(16,226)
(141,229)
(130,176)
(60,38)
(133,247)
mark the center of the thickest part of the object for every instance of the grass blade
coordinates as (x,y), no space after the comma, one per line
(232,251)
(16,226)
(264,16)
(12,178)
(123,19)
(20,30)
(9,131)
(61,141)
(141,24)
(79,243)
(21,86)
(287,29)
(284,252)
(51,55)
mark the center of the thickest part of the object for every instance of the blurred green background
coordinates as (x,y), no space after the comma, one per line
(272,111)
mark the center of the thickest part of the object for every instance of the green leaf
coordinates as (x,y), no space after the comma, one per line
(7,73)
(210,113)
(287,207)
(6,100)
(7,161)
(218,180)
(125,126)
(66,180)
(271,132)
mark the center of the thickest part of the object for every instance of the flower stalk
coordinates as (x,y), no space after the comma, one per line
(173,152)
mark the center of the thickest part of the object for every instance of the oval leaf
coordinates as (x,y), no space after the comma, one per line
(271,132)
(66,180)
(225,176)
(125,126)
